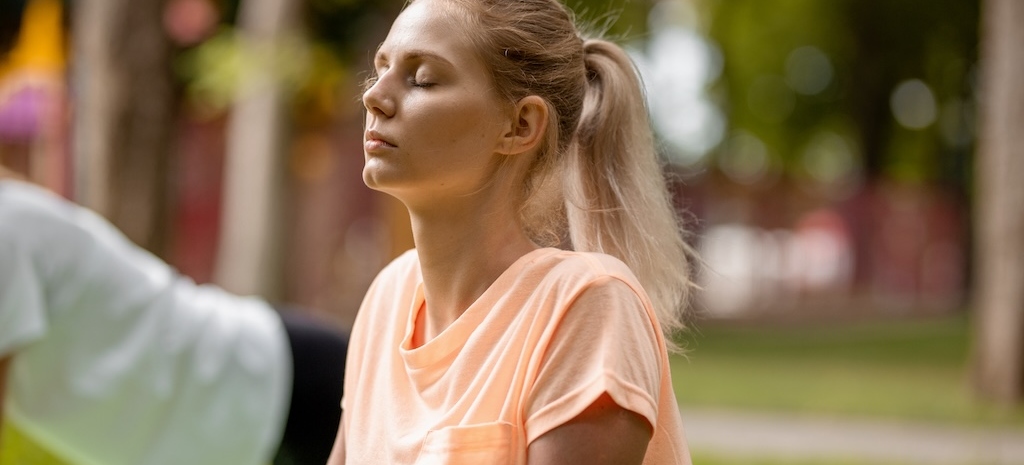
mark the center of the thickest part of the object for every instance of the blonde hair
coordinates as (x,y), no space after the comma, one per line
(597,184)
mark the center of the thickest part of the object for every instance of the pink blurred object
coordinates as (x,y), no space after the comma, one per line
(189,22)
(22,113)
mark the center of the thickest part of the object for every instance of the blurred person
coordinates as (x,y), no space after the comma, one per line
(108,356)
(32,100)
(506,133)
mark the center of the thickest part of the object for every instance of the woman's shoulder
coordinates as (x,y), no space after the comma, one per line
(583,267)
(570,273)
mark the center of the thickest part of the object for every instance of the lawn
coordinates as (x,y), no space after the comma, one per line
(711,459)
(911,370)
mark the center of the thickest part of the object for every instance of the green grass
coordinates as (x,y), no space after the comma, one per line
(713,459)
(17,448)
(912,370)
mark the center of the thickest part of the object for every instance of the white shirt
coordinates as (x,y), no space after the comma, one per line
(120,360)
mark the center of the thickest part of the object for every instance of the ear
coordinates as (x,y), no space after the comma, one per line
(528,126)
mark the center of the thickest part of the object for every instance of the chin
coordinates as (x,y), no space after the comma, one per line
(371,179)
(376,179)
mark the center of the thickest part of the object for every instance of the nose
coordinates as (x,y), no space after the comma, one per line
(377,100)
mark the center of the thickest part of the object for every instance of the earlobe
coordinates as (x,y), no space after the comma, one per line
(528,126)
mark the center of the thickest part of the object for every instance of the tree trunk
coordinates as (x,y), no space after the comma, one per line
(248,260)
(999,238)
(124,115)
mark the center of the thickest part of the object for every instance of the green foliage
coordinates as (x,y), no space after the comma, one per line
(621,20)
(872,46)
(214,70)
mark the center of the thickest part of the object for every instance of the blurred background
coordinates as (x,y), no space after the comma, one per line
(862,230)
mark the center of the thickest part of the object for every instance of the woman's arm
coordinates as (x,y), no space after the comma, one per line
(338,452)
(603,434)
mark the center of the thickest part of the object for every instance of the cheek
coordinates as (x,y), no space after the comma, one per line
(466,126)
(446,121)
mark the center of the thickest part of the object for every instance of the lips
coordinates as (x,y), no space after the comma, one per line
(374,140)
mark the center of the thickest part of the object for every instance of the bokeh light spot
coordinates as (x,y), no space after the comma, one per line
(745,158)
(913,104)
(808,70)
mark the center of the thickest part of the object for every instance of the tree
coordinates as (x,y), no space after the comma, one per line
(999,206)
(124,114)
(248,252)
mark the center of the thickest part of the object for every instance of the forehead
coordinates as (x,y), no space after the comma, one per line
(435,26)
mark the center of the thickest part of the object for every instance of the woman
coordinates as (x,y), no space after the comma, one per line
(504,133)
(107,356)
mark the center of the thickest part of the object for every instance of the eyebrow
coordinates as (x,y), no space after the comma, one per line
(415,54)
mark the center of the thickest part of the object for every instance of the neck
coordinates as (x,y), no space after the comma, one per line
(461,254)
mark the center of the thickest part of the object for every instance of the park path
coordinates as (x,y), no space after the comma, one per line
(789,436)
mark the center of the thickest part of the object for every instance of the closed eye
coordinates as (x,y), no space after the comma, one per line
(421,84)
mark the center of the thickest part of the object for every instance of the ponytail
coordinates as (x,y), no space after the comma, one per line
(617,201)
(595,184)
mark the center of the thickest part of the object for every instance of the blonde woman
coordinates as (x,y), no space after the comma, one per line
(528,325)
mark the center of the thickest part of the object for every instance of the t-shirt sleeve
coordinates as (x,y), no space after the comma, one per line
(606,343)
(22,310)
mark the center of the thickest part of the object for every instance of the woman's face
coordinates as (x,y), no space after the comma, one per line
(433,120)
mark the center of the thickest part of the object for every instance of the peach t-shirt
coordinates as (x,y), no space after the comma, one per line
(521,361)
